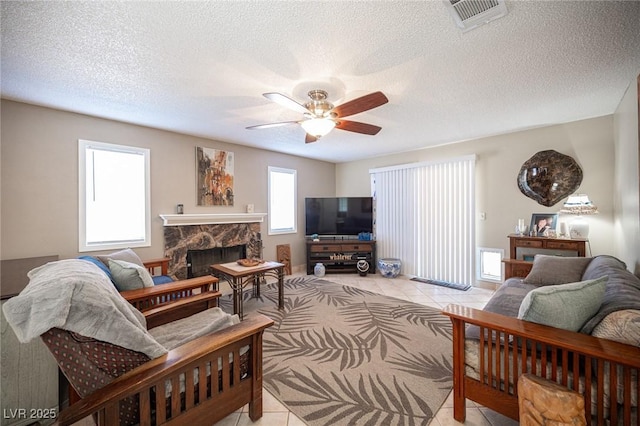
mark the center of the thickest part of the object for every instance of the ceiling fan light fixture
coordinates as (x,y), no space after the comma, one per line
(318,106)
(318,127)
(321,117)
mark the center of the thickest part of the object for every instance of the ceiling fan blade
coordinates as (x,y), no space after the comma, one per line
(308,138)
(363,103)
(355,126)
(285,101)
(268,125)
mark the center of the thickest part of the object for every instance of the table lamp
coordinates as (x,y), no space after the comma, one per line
(579,205)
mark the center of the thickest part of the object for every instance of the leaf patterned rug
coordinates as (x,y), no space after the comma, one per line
(339,355)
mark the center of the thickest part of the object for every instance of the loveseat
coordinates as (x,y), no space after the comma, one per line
(575,321)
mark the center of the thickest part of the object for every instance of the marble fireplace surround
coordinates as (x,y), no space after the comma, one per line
(205,231)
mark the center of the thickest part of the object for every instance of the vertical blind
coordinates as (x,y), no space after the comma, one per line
(425,216)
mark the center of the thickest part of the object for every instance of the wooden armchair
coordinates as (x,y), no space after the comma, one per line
(201,291)
(173,300)
(169,302)
(205,401)
(198,382)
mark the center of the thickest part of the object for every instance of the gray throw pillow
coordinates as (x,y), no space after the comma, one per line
(566,306)
(552,270)
(127,255)
(129,276)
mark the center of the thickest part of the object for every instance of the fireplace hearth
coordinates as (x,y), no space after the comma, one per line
(199,261)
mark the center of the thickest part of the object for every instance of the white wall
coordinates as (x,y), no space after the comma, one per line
(627,177)
(39,178)
(39,201)
(499,158)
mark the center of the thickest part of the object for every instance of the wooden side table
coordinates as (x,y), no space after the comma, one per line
(523,248)
(239,277)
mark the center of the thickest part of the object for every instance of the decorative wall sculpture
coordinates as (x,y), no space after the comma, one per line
(549,176)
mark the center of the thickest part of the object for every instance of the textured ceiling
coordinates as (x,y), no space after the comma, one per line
(200,68)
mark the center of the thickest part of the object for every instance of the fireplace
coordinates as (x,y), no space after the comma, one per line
(181,239)
(198,261)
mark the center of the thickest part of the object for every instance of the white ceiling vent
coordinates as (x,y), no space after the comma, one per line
(470,14)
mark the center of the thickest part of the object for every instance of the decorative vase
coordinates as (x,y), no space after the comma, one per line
(389,267)
(319,270)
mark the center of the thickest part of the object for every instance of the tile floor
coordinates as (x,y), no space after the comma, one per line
(276,414)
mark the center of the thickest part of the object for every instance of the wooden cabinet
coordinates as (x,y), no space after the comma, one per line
(522,250)
(340,255)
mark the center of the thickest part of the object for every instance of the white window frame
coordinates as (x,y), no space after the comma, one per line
(84,246)
(481,275)
(294,226)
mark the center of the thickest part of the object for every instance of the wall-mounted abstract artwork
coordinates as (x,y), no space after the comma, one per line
(215,177)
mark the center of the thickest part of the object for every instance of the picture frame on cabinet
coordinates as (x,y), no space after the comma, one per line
(543,223)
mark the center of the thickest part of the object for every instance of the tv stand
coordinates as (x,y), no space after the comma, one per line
(340,255)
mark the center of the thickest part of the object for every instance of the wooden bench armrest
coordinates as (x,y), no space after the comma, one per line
(578,342)
(203,283)
(152,264)
(147,298)
(168,365)
(168,288)
(181,308)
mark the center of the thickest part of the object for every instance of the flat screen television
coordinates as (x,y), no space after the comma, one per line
(338,216)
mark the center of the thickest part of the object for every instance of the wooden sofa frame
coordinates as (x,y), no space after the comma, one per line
(185,297)
(161,263)
(202,401)
(506,344)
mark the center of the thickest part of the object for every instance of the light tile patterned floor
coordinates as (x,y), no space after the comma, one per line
(276,414)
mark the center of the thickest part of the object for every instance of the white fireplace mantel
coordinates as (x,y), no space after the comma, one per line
(211,219)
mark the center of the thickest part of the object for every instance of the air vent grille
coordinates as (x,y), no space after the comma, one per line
(469,14)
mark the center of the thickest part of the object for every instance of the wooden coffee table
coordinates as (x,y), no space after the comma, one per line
(239,277)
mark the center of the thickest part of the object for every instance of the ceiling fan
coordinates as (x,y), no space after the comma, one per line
(321,116)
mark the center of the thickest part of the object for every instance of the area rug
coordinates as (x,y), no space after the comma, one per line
(339,355)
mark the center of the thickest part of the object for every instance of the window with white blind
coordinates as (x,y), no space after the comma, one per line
(425,216)
(114,196)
